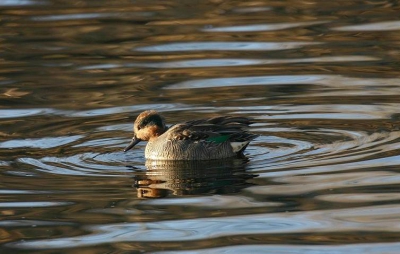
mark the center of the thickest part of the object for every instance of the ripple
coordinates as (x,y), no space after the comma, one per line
(135,108)
(89,164)
(296,185)
(19,113)
(33,204)
(335,111)
(334,164)
(40,142)
(213,202)
(116,127)
(100,66)
(230,46)
(368,248)
(105,142)
(29,223)
(324,111)
(20,2)
(360,197)
(76,16)
(170,231)
(16,113)
(24,192)
(277,156)
(242,62)
(364,219)
(199,63)
(378,216)
(263,27)
(246,81)
(325,80)
(377,26)
(251,9)
(340,151)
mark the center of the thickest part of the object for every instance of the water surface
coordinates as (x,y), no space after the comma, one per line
(321,79)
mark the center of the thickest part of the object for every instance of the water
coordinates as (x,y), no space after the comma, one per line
(320,78)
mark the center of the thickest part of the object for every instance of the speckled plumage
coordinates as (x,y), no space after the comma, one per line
(203,139)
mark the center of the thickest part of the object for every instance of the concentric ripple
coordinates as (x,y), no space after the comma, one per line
(326,147)
(286,140)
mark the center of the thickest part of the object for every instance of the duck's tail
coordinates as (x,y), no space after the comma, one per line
(240,141)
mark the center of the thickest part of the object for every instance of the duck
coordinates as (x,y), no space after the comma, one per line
(213,138)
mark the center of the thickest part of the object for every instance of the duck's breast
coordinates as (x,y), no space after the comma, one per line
(187,150)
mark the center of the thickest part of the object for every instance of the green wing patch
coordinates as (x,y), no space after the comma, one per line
(218,139)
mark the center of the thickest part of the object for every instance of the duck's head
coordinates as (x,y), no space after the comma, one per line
(148,125)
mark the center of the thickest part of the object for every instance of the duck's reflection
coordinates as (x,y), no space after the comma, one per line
(192,178)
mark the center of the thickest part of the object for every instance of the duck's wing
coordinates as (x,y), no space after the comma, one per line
(217,129)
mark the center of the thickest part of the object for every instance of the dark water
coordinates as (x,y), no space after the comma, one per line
(320,78)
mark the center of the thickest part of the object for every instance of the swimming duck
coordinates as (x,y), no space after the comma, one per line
(204,139)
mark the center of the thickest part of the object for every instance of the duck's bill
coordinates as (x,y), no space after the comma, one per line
(134,141)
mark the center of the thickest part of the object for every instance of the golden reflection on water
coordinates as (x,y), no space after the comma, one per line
(192,178)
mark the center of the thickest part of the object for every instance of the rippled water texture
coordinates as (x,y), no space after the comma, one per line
(320,78)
